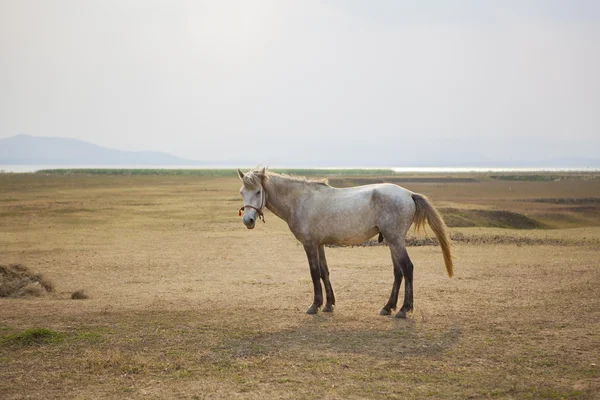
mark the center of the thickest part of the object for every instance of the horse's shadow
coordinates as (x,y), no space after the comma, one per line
(400,339)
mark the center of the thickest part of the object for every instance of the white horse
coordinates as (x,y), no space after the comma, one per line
(318,214)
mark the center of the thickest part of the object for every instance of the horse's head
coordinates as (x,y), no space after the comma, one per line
(253,195)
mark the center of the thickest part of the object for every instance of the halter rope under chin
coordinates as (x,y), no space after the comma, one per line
(263,200)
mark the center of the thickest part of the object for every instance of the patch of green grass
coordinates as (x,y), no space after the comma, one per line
(89,336)
(182,373)
(33,336)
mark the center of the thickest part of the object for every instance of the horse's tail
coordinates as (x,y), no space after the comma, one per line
(426,212)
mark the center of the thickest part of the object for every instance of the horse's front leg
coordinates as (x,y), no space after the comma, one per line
(312,253)
(325,277)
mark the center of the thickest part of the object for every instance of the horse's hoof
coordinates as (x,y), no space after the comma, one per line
(385,311)
(401,314)
(312,309)
(328,308)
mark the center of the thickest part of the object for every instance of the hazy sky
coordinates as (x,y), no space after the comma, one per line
(307,82)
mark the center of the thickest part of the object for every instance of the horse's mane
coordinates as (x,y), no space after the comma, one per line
(254,178)
(300,179)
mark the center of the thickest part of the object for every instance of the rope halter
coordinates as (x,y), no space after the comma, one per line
(263,200)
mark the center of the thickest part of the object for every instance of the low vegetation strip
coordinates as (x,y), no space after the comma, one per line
(565,200)
(458,237)
(335,171)
(348,182)
(138,171)
(541,177)
(218,172)
(460,217)
(546,177)
(17,280)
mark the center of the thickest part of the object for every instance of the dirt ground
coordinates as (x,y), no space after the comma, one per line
(185,302)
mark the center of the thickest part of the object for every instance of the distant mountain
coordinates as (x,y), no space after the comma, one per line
(52,151)
(33,150)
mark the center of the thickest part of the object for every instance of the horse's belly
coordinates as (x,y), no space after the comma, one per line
(349,237)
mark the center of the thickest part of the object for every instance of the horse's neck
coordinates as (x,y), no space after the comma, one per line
(282,196)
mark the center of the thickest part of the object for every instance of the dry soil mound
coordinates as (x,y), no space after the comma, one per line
(17,280)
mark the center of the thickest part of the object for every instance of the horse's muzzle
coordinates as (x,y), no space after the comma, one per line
(249,222)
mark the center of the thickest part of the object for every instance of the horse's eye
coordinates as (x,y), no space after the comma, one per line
(257,193)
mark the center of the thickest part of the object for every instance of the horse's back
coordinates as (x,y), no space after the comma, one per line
(352,215)
(365,198)
(392,191)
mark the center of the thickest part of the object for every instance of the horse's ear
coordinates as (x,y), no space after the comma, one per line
(263,175)
(240,174)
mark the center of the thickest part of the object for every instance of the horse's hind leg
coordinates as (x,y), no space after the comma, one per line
(393,301)
(407,269)
(403,267)
(325,277)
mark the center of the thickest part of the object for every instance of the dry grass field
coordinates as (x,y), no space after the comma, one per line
(184,302)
